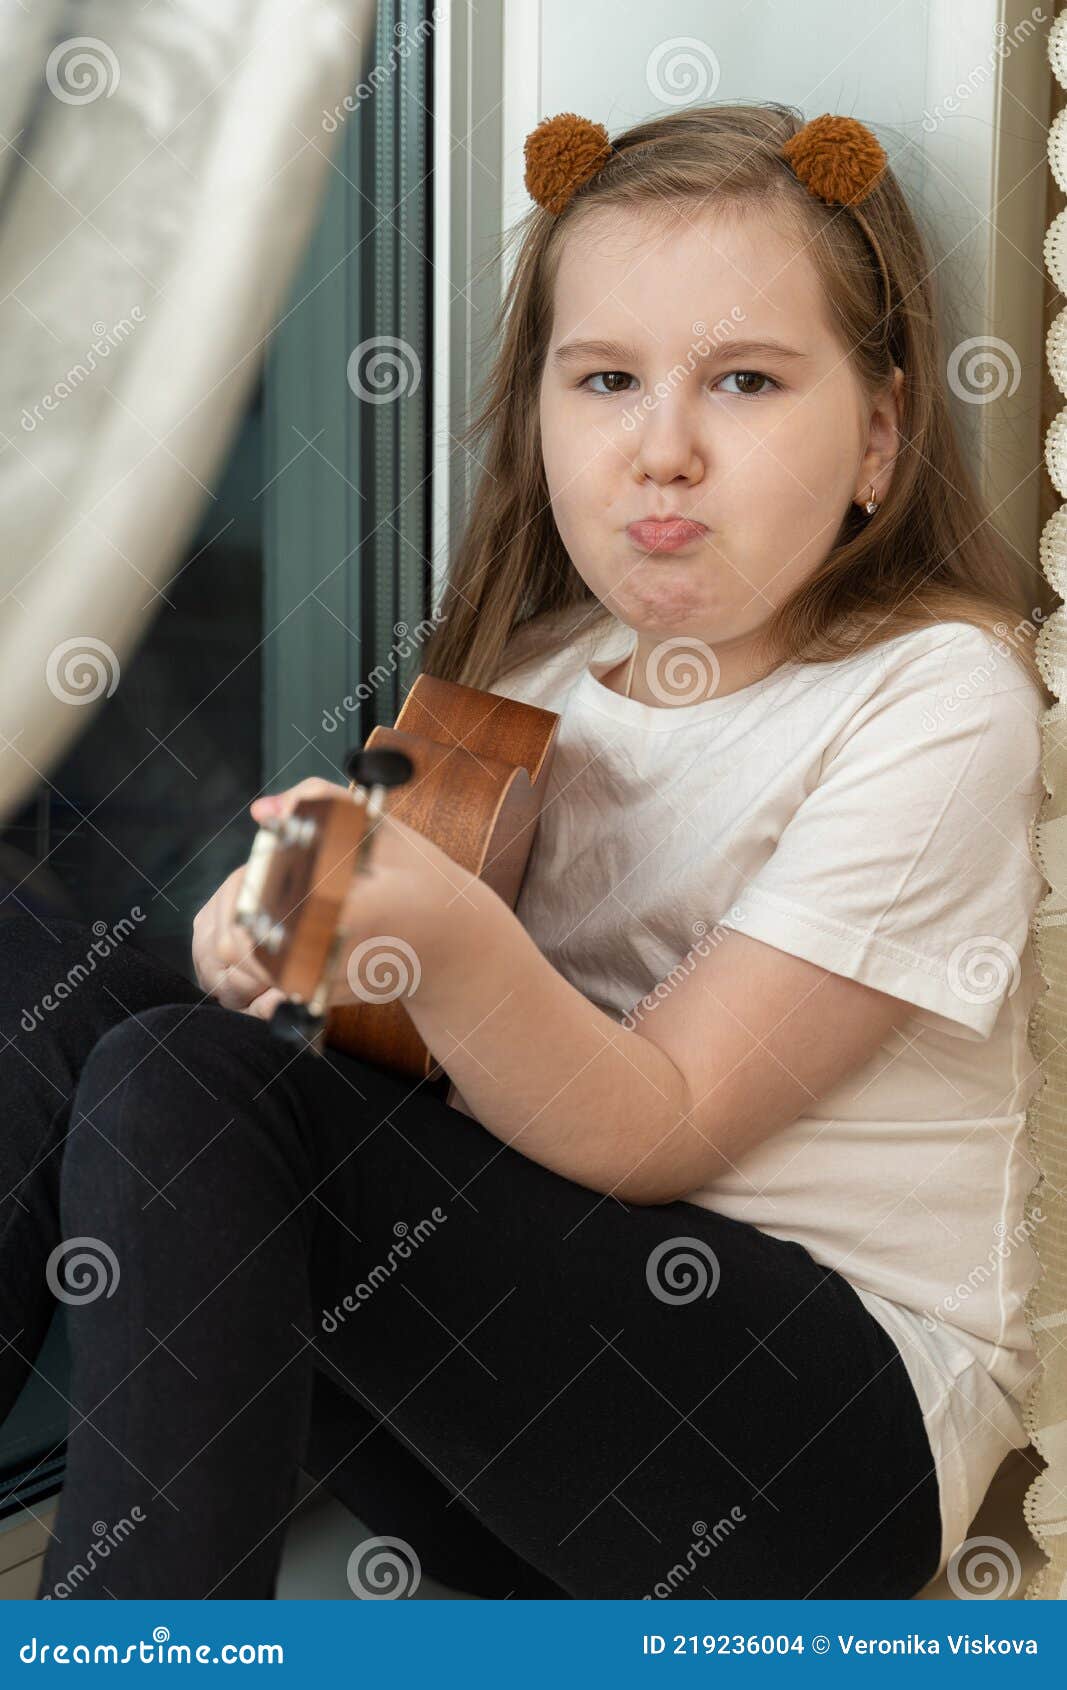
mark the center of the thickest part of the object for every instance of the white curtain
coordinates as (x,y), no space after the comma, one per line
(161,171)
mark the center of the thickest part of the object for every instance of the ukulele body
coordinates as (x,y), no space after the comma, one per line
(480,770)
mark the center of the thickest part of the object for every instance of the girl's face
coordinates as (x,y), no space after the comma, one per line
(683,410)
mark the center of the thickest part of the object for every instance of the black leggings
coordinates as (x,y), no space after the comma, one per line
(277,1260)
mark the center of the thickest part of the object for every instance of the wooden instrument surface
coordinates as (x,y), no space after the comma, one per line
(480,771)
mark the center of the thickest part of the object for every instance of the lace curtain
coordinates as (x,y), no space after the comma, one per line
(1045,1412)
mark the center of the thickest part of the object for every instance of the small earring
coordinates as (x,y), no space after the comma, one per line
(872,503)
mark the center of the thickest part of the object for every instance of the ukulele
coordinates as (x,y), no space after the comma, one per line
(468,770)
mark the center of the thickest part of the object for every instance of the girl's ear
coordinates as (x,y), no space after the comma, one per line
(883,441)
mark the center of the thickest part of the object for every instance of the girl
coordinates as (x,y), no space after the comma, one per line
(708,1279)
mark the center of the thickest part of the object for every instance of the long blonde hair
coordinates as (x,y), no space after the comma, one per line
(931,554)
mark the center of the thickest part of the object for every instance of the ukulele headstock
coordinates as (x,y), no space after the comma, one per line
(298,875)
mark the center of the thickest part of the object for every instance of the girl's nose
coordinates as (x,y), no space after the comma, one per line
(667,447)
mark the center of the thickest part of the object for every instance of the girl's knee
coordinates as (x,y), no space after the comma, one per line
(140,1089)
(163,1085)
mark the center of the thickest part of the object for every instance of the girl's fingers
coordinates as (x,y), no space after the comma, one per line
(280,803)
(234,945)
(235,991)
(248,979)
(266,1003)
(270,804)
(235,984)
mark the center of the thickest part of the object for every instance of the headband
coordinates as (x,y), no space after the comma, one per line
(838,159)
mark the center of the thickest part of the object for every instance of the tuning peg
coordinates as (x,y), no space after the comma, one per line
(267,933)
(375,772)
(297,830)
(295,1024)
(378,768)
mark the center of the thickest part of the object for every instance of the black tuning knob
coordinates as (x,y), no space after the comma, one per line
(294,1023)
(378,768)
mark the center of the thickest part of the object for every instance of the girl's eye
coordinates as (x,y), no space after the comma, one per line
(750,375)
(608,375)
(744,376)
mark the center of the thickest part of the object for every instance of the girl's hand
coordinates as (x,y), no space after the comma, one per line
(241,987)
(398,918)
(266,1003)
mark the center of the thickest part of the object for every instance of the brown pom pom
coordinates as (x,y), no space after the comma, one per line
(837,158)
(561,153)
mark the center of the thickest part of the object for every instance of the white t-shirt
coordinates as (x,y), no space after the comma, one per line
(875,816)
